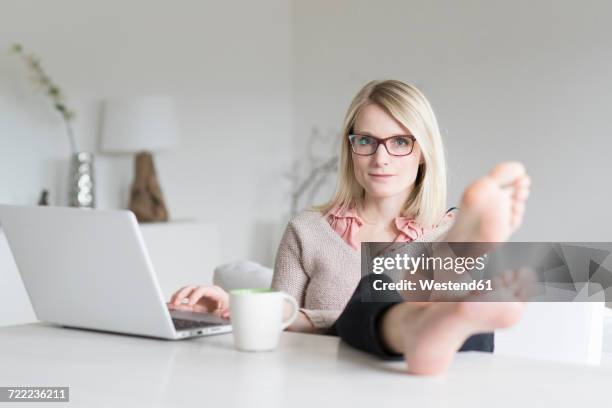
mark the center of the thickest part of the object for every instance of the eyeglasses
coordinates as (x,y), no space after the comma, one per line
(365,145)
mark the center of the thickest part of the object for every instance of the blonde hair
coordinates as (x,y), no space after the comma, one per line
(407,105)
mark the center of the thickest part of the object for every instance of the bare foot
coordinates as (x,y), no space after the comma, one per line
(429,335)
(492,207)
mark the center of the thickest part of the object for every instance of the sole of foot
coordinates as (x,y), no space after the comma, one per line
(433,333)
(492,207)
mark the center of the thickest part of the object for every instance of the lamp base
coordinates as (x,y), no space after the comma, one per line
(146,198)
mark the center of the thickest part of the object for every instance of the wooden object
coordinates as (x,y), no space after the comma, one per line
(146,198)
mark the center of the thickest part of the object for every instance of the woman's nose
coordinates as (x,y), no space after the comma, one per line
(381,155)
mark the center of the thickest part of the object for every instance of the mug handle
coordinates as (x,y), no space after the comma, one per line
(294,312)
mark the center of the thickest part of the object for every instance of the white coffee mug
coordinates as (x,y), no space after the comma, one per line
(257,317)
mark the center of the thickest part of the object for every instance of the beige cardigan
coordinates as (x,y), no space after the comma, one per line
(317,267)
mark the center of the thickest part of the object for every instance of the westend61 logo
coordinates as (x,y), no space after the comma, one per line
(412,264)
(424,264)
(481,271)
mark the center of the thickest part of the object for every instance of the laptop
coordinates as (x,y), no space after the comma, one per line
(90,269)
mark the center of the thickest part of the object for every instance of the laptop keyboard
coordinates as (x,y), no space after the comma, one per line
(185,324)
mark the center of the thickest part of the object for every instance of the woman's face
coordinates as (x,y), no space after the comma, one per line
(381,174)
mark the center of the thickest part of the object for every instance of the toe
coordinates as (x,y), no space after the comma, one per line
(508,172)
(521,194)
(518,210)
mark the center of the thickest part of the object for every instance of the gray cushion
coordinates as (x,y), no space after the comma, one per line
(242,274)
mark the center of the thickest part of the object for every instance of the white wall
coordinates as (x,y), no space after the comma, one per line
(509,80)
(228,66)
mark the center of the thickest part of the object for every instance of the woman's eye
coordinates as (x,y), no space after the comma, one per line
(365,140)
(401,141)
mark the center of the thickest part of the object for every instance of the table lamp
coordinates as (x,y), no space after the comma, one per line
(140,126)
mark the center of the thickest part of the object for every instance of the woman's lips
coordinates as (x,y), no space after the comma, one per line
(381,176)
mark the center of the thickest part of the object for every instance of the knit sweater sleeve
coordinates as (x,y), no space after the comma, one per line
(290,276)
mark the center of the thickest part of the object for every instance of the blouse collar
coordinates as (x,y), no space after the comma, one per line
(406,225)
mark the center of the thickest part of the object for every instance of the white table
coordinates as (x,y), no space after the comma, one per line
(107,370)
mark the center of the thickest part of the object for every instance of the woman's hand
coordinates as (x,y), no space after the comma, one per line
(202,299)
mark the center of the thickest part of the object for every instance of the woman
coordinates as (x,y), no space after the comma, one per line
(391,187)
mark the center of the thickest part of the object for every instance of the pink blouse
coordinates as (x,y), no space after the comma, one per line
(347,223)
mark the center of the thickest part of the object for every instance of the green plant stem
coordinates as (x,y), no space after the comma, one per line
(71,136)
(52,91)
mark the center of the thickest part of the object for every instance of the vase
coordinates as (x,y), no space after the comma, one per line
(82,180)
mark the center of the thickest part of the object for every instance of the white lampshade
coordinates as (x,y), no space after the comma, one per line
(132,125)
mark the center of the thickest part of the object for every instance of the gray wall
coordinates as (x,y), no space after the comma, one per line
(523,80)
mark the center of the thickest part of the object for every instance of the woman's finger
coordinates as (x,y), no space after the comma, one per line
(202,292)
(175,294)
(182,294)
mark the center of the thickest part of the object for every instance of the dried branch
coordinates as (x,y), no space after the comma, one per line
(318,171)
